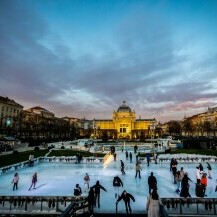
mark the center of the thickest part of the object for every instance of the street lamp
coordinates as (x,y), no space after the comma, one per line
(152,127)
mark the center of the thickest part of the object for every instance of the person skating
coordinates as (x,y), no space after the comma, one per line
(152,182)
(182,172)
(34,181)
(77,190)
(199,189)
(197,173)
(127,154)
(200,168)
(131,157)
(122,167)
(91,200)
(115,156)
(178,179)
(209,170)
(148,159)
(97,188)
(153,204)
(15,181)
(125,196)
(86,181)
(203,183)
(185,186)
(138,169)
(117,183)
(174,171)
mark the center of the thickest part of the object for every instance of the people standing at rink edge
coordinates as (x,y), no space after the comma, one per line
(153,204)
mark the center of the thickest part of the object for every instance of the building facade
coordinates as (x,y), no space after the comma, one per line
(10,113)
(123,125)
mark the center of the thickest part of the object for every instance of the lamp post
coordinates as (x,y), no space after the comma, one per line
(152,136)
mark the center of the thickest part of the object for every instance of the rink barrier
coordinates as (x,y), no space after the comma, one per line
(93,159)
(190,206)
(62,159)
(41,204)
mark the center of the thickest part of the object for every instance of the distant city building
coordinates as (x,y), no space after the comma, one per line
(41,111)
(123,125)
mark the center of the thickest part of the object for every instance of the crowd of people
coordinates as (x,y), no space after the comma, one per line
(154,204)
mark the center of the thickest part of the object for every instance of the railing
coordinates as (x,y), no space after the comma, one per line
(190,206)
(76,208)
(72,159)
(37,204)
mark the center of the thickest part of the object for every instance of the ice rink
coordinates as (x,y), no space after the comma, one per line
(60,178)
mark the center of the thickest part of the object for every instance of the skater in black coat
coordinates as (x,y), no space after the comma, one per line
(185,186)
(91,200)
(97,188)
(152,182)
(117,183)
(126,198)
(122,167)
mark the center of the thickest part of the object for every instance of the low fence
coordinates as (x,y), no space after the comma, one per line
(29,205)
(190,206)
(62,159)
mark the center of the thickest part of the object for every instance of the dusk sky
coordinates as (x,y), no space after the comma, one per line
(82,58)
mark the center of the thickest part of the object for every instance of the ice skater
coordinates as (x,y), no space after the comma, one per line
(201,168)
(90,199)
(77,190)
(197,173)
(138,169)
(148,159)
(131,157)
(15,181)
(86,181)
(152,182)
(185,186)
(126,198)
(203,182)
(117,183)
(122,167)
(34,181)
(209,170)
(178,179)
(97,188)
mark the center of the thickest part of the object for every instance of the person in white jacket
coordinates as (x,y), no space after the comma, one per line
(15,181)
(197,173)
(153,204)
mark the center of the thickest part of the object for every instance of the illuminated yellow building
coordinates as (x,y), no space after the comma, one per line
(124,125)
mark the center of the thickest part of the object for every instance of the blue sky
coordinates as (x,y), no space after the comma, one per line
(82,58)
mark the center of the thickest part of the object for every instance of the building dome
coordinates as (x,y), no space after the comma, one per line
(124,108)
